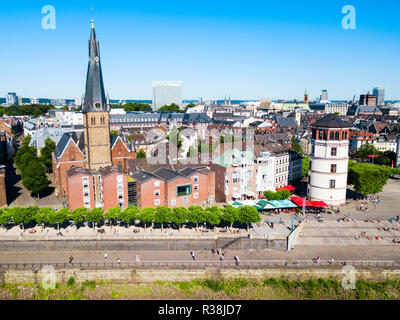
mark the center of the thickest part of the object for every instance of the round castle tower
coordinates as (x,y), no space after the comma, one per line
(329,158)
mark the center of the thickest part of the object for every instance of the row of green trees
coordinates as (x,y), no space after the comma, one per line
(35,110)
(161,215)
(133,106)
(368,178)
(33,168)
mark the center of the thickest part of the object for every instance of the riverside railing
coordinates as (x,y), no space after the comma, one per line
(248,264)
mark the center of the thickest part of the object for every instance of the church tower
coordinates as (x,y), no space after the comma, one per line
(96,118)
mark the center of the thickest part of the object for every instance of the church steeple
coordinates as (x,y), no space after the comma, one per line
(95,98)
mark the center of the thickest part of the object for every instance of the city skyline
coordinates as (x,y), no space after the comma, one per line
(246,52)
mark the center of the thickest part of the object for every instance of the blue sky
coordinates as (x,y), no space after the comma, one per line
(245,49)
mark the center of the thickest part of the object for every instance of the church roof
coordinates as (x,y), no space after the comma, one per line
(95,98)
(331,121)
(66,137)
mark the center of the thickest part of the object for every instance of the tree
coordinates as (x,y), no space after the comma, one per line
(114,133)
(249,215)
(190,105)
(5,216)
(78,215)
(26,141)
(129,214)
(34,177)
(46,153)
(213,215)
(306,166)
(163,215)
(133,106)
(42,215)
(296,147)
(170,108)
(368,178)
(95,216)
(59,217)
(141,154)
(365,150)
(282,194)
(179,216)
(146,215)
(23,216)
(113,214)
(194,215)
(35,110)
(21,160)
(230,215)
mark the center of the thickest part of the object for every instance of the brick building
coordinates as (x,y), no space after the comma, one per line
(90,167)
(166,187)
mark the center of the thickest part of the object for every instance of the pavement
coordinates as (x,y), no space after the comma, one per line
(383,253)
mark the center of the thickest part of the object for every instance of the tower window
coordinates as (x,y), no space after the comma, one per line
(333,168)
(93,120)
(331,136)
(103,120)
(333,152)
(337,136)
(332,184)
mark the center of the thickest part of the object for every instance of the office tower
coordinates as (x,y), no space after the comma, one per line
(12,99)
(324,96)
(166,93)
(380,95)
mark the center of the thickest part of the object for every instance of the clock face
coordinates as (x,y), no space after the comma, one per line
(97,105)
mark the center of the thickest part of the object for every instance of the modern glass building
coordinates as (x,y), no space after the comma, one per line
(380,95)
(166,92)
(12,99)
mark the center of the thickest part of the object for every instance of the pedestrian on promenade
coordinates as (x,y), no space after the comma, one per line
(118,261)
(213,251)
(318,259)
(237,261)
(398,218)
(221,258)
(193,256)
(70,259)
(105,256)
(218,252)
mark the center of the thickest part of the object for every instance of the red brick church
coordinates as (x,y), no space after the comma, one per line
(90,168)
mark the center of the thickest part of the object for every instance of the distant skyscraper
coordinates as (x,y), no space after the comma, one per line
(12,99)
(324,96)
(380,95)
(166,93)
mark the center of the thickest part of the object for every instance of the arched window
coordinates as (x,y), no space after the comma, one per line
(337,135)
(120,166)
(345,135)
(103,120)
(93,120)
(325,136)
(331,136)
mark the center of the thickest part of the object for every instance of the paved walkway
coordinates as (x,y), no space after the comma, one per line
(299,253)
